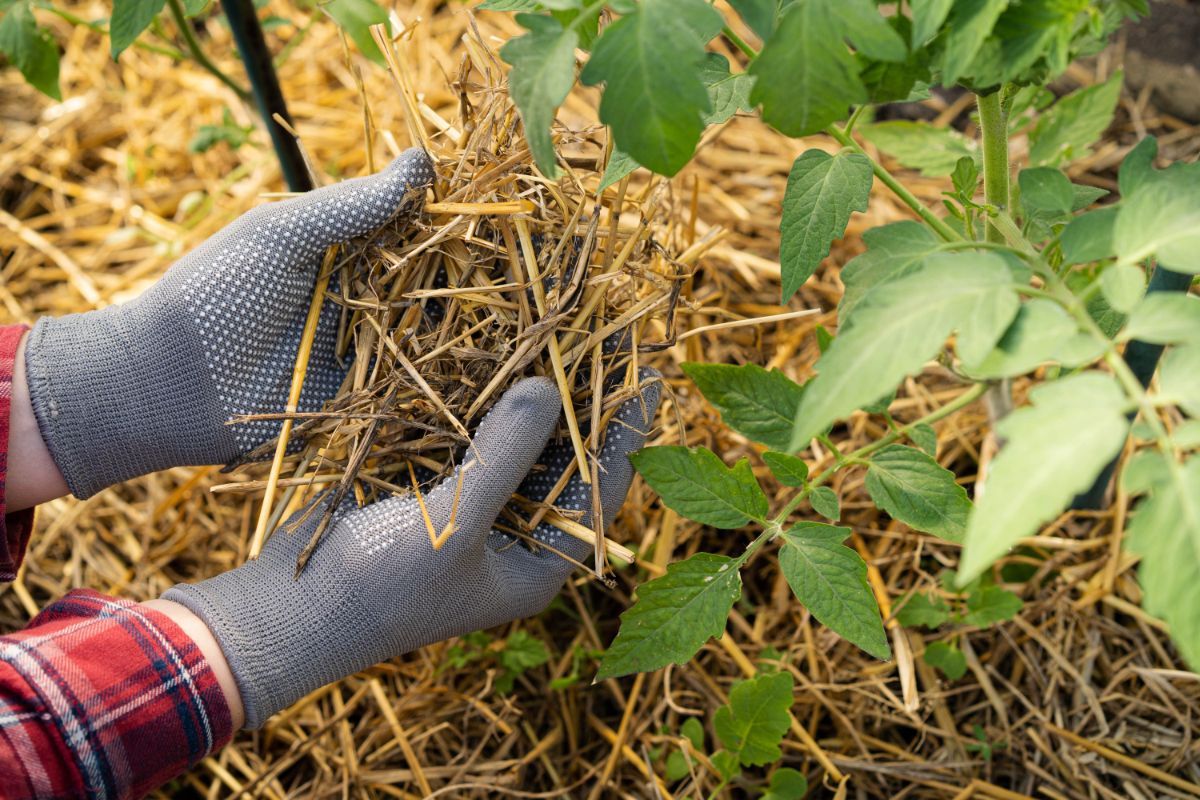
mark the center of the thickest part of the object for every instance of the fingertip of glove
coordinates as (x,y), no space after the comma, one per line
(535,399)
(413,168)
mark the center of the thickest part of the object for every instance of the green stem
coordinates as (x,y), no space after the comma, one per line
(98,28)
(739,42)
(888,180)
(197,53)
(993,123)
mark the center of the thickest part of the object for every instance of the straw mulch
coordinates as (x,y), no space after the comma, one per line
(1082,695)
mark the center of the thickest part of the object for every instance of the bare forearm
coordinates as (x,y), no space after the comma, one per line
(33,477)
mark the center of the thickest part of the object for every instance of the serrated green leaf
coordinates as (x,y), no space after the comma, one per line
(924,437)
(893,251)
(990,604)
(921,146)
(728,93)
(965,177)
(760,15)
(969,24)
(129,19)
(786,784)
(1066,131)
(830,580)
(654,99)
(1165,532)
(1035,336)
(897,328)
(805,76)
(543,72)
(1030,41)
(928,16)
(1045,190)
(758,404)
(825,502)
(698,485)
(753,724)
(914,489)
(950,660)
(1179,378)
(821,192)
(870,33)
(1040,469)
(1123,286)
(787,469)
(1089,237)
(1138,166)
(356,17)
(1164,318)
(674,615)
(619,165)
(31,49)
(1161,218)
(921,610)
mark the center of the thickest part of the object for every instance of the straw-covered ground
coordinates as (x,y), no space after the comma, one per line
(1080,696)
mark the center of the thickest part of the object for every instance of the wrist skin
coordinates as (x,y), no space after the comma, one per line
(39,480)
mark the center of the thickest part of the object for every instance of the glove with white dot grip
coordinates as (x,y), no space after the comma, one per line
(375,587)
(150,384)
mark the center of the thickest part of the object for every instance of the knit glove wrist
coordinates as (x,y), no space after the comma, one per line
(375,588)
(150,384)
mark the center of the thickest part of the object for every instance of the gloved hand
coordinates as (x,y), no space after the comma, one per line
(375,588)
(147,385)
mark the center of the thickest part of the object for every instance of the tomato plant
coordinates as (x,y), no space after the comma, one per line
(1022,274)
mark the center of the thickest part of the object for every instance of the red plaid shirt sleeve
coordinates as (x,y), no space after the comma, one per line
(103,698)
(14,528)
(99,697)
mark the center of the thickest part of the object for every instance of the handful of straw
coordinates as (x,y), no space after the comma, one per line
(505,274)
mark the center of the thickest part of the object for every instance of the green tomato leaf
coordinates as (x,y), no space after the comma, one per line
(830,580)
(786,784)
(1045,191)
(619,165)
(758,404)
(988,605)
(1123,286)
(901,325)
(356,17)
(31,49)
(921,610)
(654,98)
(1161,218)
(1036,335)
(1145,470)
(1089,237)
(949,660)
(969,24)
(893,251)
(1165,532)
(921,146)
(543,72)
(825,502)
(1179,378)
(927,17)
(760,15)
(693,730)
(821,192)
(805,76)
(787,469)
(1164,318)
(726,764)
(1040,469)
(914,489)
(753,724)
(1138,166)
(129,19)
(728,93)
(870,33)
(924,437)
(1066,131)
(674,615)
(698,485)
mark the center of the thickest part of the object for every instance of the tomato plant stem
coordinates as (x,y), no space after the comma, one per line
(941,228)
(197,52)
(993,123)
(739,42)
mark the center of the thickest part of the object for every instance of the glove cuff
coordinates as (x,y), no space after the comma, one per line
(114,401)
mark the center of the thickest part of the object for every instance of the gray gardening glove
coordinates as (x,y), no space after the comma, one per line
(139,387)
(375,588)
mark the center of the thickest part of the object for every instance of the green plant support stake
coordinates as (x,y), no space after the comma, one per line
(252,47)
(1142,358)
